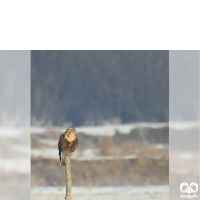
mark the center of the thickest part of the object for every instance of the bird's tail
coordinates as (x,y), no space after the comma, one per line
(63,157)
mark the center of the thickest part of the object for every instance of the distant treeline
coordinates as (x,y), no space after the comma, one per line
(94,87)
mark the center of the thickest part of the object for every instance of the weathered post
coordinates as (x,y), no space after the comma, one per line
(68,176)
(67,143)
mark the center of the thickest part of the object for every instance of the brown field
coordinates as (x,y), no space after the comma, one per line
(108,165)
(142,171)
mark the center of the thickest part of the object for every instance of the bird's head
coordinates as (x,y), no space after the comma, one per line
(70,131)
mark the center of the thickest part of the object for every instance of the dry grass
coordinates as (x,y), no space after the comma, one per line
(150,167)
(109,147)
(142,171)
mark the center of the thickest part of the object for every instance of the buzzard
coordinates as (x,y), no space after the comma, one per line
(67,143)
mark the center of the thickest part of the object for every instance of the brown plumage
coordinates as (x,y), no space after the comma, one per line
(68,142)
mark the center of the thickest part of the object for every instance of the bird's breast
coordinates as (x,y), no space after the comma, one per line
(71,138)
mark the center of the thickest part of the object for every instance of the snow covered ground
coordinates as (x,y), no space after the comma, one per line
(104,129)
(124,128)
(106,193)
(9,132)
(50,153)
(14,150)
(18,165)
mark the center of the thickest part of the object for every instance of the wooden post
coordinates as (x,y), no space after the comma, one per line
(68,177)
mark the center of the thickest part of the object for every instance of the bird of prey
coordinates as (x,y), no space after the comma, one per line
(67,143)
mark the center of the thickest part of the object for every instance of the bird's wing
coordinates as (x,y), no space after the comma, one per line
(76,141)
(60,141)
(75,144)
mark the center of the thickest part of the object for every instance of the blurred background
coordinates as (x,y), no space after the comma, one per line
(99,87)
(183,119)
(118,101)
(15,125)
